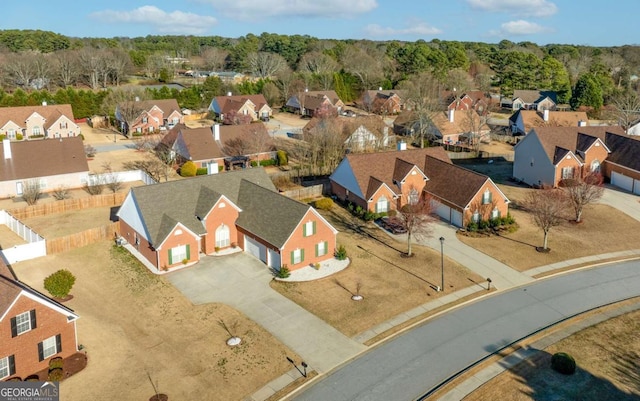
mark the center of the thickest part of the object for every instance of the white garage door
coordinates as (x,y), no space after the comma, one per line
(274,259)
(622,181)
(456,218)
(253,247)
(441,210)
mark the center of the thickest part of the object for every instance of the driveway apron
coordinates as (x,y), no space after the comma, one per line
(242,282)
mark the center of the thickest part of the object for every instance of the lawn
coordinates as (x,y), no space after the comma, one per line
(390,283)
(133,323)
(599,233)
(608,368)
(61,224)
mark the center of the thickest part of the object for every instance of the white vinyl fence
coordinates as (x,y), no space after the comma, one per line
(35,247)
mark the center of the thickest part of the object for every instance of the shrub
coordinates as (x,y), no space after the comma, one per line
(201,171)
(59,284)
(36,136)
(185,261)
(563,363)
(350,207)
(19,137)
(254,163)
(81,136)
(89,151)
(283,159)
(369,216)
(268,162)
(56,363)
(188,169)
(359,211)
(220,169)
(3,137)
(392,213)
(283,272)
(56,375)
(472,227)
(61,193)
(483,225)
(32,378)
(341,253)
(324,204)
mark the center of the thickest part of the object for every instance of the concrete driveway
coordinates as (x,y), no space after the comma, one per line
(624,201)
(242,282)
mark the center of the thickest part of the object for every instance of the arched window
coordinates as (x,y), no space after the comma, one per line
(595,166)
(222,236)
(382,205)
(414,197)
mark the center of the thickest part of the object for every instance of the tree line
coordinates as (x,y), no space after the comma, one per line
(285,64)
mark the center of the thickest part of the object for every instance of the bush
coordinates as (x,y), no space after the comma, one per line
(56,363)
(188,169)
(59,284)
(283,272)
(19,137)
(283,159)
(483,225)
(370,216)
(392,213)
(201,171)
(267,162)
(563,363)
(56,375)
(3,137)
(473,227)
(81,136)
(324,204)
(254,163)
(341,253)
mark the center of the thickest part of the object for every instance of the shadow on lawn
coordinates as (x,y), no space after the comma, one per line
(542,383)
(399,267)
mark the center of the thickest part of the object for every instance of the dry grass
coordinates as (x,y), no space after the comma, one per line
(391,283)
(598,234)
(607,356)
(61,224)
(133,322)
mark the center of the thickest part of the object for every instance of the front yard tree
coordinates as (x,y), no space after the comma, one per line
(423,100)
(128,102)
(31,192)
(547,207)
(265,65)
(415,217)
(582,191)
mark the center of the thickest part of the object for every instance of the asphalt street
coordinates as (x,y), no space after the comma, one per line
(418,361)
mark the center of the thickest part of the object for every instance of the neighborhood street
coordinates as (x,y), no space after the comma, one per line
(416,362)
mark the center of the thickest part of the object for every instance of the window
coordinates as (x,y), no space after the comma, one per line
(23,322)
(382,205)
(486,197)
(11,134)
(222,236)
(567,172)
(414,197)
(321,248)
(595,166)
(495,213)
(178,254)
(145,120)
(7,367)
(476,217)
(36,130)
(309,228)
(63,125)
(297,256)
(49,347)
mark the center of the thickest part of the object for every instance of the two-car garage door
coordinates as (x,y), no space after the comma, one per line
(260,251)
(625,182)
(451,215)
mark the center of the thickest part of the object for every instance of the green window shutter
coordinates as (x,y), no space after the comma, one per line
(189,252)
(301,255)
(304,230)
(317,250)
(293,258)
(326,247)
(490,197)
(314,227)
(170,257)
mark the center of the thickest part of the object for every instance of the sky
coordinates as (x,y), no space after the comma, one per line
(577,22)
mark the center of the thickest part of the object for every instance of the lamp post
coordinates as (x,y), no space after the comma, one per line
(442,263)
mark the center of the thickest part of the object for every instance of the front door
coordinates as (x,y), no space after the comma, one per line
(18,188)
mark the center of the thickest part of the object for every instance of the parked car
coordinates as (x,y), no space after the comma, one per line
(392,225)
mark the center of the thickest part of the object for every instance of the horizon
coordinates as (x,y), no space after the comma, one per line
(542,22)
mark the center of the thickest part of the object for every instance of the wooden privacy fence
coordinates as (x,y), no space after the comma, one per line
(84,238)
(304,192)
(68,205)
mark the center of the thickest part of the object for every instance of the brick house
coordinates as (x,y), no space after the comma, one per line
(308,103)
(172,224)
(45,121)
(361,133)
(379,182)
(255,106)
(51,163)
(547,155)
(33,328)
(527,99)
(382,101)
(523,121)
(153,115)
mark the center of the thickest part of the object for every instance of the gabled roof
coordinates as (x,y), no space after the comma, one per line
(463,122)
(533,118)
(164,205)
(20,114)
(167,106)
(381,165)
(402,169)
(534,96)
(235,102)
(314,99)
(347,125)
(623,148)
(561,153)
(267,214)
(452,183)
(43,158)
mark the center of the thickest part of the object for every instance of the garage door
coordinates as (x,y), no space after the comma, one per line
(456,218)
(622,181)
(274,259)
(253,247)
(441,210)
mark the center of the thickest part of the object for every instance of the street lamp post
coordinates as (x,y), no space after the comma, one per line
(442,263)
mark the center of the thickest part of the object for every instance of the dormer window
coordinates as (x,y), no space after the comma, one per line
(486,197)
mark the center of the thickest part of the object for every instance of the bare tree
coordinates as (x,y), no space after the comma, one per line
(117,65)
(214,58)
(126,103)
(31,191)
(582,191)
(326,146)
(264,64)
(66,68)
(236,147)
(358,62)
(232,117)
(90,66)
(288,83)
(627,109)
(422,92)
(42,71)
(475,126)
(547,207)
(111,178)
(154,167)
(415,216)
(320,66)
(21,69)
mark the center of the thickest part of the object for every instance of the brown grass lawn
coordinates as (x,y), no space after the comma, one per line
(604,229)
(133,323)
(8,238)
(61,224)
(608,360)
(391,283)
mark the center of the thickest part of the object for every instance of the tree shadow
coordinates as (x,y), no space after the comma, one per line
(541,383)
(433,285)
(515,240)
